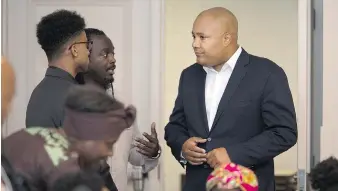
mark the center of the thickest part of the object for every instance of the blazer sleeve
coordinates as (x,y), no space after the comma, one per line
(176,132)
(280,134)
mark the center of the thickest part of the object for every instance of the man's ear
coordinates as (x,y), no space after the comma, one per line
(226,39)
(74,51)
(131,115)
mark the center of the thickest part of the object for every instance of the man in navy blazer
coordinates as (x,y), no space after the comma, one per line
(231,106)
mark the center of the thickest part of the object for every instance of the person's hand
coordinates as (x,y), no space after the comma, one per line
(192,153)
(151,146)
(218,157)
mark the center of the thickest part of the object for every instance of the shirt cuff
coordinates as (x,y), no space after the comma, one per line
(158,154)
(183,160)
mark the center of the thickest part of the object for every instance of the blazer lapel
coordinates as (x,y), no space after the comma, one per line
(200,91)
(235,79)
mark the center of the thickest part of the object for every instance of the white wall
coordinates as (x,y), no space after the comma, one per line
(267,28)
(329,130)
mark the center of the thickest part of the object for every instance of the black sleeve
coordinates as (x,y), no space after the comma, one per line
(176,132)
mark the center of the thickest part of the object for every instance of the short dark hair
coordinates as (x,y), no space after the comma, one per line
(90,32)
(56,29)
(80,181)
(89,98)
(324,176)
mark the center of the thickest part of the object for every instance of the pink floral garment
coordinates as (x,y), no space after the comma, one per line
(232,176)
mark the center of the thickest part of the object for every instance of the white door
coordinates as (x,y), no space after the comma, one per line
(134,27)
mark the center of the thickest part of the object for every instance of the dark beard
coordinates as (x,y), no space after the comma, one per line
(79,78)
(93,76)
(108,83)
(105,83)
(89,164)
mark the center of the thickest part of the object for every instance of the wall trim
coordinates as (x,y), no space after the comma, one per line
(157,17)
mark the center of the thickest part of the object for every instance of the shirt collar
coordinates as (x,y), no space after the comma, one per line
(59,73)
(230,63)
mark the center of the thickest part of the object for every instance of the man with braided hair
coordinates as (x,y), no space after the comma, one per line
(132,148)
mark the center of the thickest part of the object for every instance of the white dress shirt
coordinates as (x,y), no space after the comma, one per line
(125,154)
(215,84)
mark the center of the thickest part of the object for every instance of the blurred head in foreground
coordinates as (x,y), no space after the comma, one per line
(94,121)
(7,88)
(324,176)
(80,181)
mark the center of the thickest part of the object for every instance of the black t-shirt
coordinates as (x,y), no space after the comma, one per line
(46,104)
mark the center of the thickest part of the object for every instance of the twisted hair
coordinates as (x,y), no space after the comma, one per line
(56,29)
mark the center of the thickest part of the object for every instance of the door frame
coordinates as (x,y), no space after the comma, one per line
(157,76)
(316,81)
(305,24)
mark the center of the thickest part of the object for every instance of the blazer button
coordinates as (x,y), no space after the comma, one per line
(209,139)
